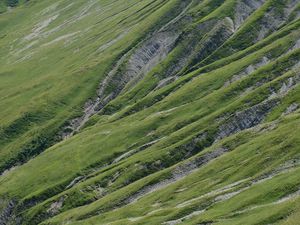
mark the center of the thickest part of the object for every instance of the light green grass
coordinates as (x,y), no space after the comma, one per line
(39,94)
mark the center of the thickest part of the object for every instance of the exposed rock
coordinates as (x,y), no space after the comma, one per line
(56,206)
(283,168)
(292,108)
(287,85)
(272,20)
(100,191)
(114,178)
(284,199)
(189,216)
(219,197)
(149,54)
(288,197)
(227,196)
(248,70)
(37,30)
(75,181)
(179,172)
(186,168)
(217,33)
(212,193)
(134,151)
(110,43)
(245,119)
(165,82)
(141,61)
(66,38)
(130,68)
(91,107)
(8,170)
(6,213)
(244,9)
(295,46)
(192,42)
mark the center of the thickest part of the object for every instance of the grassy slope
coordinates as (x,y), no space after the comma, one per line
(172,116)
(218,173)
(40,99)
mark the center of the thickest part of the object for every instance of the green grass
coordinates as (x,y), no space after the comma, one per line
(46,78)
(56,89)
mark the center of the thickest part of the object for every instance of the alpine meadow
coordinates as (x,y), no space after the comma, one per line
(149,112)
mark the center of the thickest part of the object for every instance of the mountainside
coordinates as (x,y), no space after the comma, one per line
(150,112)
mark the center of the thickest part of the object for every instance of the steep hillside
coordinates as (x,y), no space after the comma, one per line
(150,112)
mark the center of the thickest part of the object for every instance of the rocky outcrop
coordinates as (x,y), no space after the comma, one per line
(231,190)
(145,57)
(245,119)
(75,181)
(292,108)
(195,37)
(165,82)
(286,85)
(248,70)
(179,172)
(128,71)
(244,9)
(272,19)
(56,206)
(6,212)
(215,37)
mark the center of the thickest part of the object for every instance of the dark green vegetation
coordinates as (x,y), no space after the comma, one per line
(150,112)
